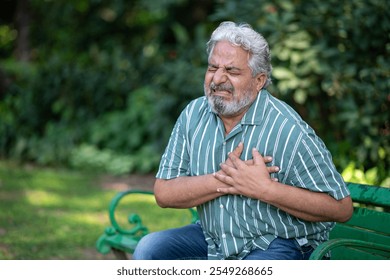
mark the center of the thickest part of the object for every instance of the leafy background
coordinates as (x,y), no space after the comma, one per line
(98,85)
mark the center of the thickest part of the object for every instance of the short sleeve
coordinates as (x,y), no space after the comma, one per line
(175,160)
(313,169)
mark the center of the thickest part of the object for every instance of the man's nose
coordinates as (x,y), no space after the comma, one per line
(219,76)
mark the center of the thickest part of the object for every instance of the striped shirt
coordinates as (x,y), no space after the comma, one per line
(235,225)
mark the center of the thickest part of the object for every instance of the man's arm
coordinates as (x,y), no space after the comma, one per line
(254,181)
(187,191)
(190,191)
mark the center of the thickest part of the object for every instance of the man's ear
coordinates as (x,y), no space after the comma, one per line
(261,79)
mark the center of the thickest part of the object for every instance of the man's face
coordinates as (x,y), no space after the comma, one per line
(229,85)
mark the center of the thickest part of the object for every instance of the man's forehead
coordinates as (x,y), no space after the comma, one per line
(229,56)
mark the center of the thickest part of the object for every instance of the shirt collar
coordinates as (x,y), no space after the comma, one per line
(256,111)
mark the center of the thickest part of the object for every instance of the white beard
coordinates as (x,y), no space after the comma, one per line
(227,108)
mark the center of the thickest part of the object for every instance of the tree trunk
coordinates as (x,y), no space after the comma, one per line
(22,21)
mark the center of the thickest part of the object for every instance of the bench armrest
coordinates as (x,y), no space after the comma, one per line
(118,237)
(133,218)
(121,239)
(327,246)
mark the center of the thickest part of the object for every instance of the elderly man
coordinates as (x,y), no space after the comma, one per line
(263,182)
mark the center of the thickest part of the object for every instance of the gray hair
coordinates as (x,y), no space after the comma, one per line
(243,35)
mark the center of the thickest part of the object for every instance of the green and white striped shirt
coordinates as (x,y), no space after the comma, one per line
(235,225)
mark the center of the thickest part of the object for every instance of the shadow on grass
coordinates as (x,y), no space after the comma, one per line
(59,214)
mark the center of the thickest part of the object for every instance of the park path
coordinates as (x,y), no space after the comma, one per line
(133,181)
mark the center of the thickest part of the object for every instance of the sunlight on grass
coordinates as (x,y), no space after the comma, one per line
(59,214)
(85,219)
(43,198)
(50,181)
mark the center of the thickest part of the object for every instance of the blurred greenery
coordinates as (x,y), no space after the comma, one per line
(48,213)
(99,84)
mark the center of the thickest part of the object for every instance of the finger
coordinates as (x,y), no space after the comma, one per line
(230,190)
(273,169)
(267,159)
(227,169)
(221,172)
(238,150)
(237,162)
(223,178)
(257,158)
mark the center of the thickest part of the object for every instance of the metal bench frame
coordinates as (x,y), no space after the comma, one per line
(365,236)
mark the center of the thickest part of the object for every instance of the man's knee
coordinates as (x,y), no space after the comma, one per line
(148,247)
(171,244)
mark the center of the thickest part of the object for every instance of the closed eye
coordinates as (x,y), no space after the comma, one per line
(212,68)
(234,71)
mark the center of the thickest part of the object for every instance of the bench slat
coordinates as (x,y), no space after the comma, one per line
(343,231)
(370,219)
(374,195)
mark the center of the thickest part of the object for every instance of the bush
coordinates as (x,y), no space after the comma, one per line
(117,85)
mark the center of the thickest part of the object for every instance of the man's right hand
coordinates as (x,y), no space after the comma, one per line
(238,151)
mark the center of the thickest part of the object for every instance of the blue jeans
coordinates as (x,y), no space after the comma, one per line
(188,242)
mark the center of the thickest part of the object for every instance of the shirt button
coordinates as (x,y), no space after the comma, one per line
(221,206)
(223,236)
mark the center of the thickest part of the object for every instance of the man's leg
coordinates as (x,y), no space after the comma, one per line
(187,242)
(282,249)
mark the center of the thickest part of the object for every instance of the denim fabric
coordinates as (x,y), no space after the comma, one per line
(188,242)
(180,243)
(282,249)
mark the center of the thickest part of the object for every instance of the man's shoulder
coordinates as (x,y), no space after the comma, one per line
(289,118)
(282,108)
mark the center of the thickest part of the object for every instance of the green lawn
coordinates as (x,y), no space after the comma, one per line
(59,214)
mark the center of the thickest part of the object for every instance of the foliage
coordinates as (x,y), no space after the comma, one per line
(112,90)
(370,177)
(82,84)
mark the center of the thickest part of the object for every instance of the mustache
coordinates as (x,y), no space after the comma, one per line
(221,87)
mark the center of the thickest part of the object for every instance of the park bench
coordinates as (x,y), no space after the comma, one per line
(366,236)
(122,240)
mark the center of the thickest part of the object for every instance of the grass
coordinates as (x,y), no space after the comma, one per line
(59,214)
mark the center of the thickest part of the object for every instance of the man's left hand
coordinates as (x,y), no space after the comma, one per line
(251,180)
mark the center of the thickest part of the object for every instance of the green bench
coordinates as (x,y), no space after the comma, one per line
(365,236)
(122,239)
